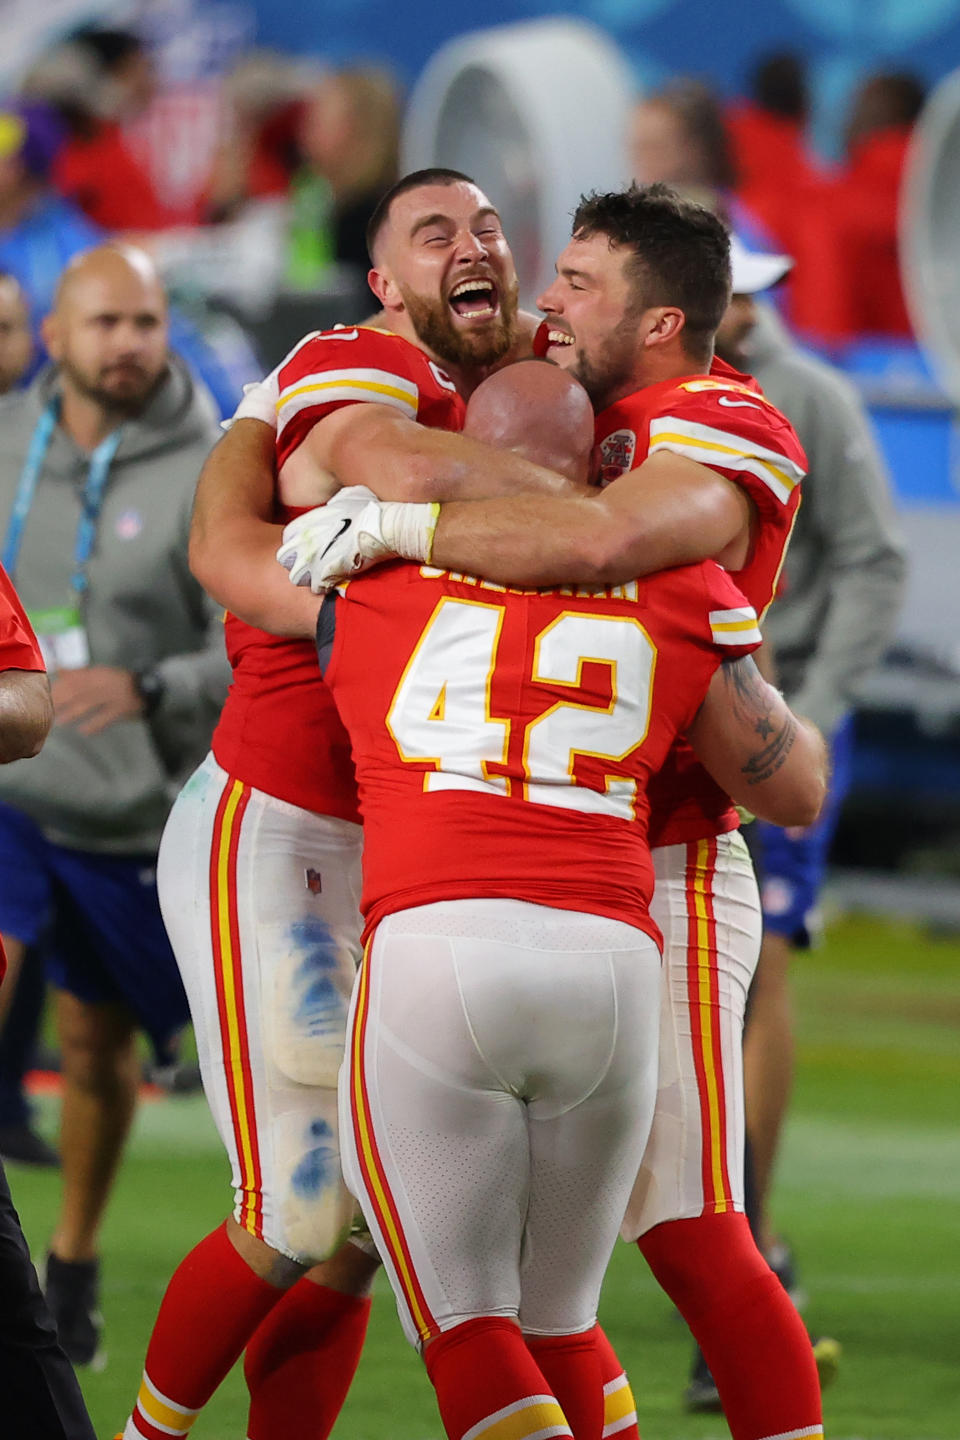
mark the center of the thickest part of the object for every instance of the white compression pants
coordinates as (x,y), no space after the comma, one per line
(495,1101)
(260,900)
(707,905)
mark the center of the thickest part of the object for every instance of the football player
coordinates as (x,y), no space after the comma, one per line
(259,868)
(502,1067)
(698,464)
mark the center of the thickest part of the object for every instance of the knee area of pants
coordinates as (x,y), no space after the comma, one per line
(310,1240)
(585,1340)
(313,1210)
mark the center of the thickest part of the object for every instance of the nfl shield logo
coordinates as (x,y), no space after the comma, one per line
(129,525)
(616,455)
(313,881)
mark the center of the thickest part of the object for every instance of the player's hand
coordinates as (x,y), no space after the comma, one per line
(329,544)
(259,402)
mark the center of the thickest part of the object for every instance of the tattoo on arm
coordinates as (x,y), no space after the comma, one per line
(750,697)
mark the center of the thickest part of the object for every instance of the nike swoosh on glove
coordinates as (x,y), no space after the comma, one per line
(329,544)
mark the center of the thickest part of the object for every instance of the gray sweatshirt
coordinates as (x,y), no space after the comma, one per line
(842,583)
(142,610)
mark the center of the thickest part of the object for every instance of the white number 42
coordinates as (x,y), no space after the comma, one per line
(441,710)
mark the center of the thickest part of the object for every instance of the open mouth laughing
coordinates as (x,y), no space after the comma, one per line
(560,341)
(475,298)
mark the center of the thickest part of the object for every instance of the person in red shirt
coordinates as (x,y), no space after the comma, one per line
(699,464)
(777,179)
(259,870)
(96,167)
(26,711)
(41,1396)
(501,1071)
(848,256)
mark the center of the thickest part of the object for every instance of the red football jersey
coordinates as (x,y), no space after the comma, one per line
(504,739)
(724,421)
(18,651)
(279,730)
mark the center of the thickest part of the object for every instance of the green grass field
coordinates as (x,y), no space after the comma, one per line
(869,1193)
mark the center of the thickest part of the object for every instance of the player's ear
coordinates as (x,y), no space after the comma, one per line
(665,324)
(385,288)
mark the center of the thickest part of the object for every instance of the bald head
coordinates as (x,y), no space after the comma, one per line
(113,270)
(108,327)
(539,412)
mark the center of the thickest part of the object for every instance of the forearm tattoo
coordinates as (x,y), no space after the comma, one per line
(750,697)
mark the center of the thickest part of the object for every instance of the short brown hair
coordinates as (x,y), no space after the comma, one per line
(681,253)
(435,175)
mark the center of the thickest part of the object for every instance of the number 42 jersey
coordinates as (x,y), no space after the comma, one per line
(503,740)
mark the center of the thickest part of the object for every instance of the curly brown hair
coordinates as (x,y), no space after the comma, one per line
(681,253)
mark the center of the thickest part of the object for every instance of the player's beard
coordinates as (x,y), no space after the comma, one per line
(609,372)
(127,395)
(436,329)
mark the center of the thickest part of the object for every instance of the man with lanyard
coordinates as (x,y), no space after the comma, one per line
(96,484)
(835,614)
(62,644)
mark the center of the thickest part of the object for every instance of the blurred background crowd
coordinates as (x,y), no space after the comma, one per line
(243,147)
(248,170)
(260,185)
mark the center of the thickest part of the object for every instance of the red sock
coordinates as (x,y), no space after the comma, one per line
(302,1359)
(213,1304)
(482,1372)
(619,1406)
(571,1367)
(751,1336)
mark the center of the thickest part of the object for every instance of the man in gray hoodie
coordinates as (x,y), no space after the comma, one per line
(834,615)
(97,471)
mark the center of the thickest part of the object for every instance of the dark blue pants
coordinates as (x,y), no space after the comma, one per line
(18,1040)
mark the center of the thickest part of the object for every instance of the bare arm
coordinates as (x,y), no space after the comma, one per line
(26,713)
(669,511)
(376,446)
(234,534)
(753,745)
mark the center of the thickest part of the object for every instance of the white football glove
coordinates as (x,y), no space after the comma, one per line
(322,547)
(352,532)
(259,402)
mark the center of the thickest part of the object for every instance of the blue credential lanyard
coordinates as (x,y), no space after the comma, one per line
(91,500)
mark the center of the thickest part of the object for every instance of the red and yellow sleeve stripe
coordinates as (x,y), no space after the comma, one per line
(337,387)
(723,450)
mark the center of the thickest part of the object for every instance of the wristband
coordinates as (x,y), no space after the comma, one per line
(408,529)
(259,402)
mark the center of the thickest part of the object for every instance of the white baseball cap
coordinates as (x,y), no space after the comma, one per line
(753,271)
